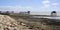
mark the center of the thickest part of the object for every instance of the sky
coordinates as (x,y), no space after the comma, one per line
(30,5)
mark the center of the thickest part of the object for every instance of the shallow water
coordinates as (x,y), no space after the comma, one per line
(45,13)
(46,17)
(53,17)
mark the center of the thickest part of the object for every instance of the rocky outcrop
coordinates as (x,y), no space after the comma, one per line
(8,23)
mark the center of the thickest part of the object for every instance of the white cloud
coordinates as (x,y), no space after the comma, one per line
(55,4)
(49,6)
(15,8)
(46,5)
(46,1)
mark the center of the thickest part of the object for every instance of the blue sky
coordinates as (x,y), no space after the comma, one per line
(30,5)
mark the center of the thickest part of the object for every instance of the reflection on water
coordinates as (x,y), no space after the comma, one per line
(53,17)
(45,13)
(45,17)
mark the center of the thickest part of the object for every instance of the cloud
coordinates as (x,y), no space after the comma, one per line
(49,6)
(15,8)
(46,5)
(55,4)
(46,1)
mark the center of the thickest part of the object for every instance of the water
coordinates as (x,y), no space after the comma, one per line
(45,13)
(45,17)
(53,17)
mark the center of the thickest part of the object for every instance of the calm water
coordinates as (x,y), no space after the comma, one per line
(46,17)
(43,13)
(58,14)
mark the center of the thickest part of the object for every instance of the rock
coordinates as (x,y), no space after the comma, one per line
(23,24)
(8,23)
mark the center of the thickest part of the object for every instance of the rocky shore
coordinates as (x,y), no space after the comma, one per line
(8,23)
